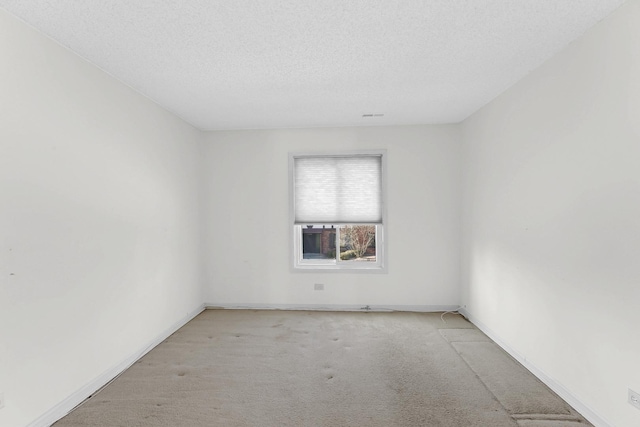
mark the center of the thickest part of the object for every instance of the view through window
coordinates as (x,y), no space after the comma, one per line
(346,243)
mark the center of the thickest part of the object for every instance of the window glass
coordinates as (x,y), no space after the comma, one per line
(358,243)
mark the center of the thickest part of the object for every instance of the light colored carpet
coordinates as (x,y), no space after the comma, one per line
(287,368)
(528,400)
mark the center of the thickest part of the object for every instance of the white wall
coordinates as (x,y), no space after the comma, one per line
(98,222)
(551,216)
(247,218)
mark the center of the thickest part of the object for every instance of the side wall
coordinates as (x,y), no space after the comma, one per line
(551,218)
(248,231)
(98,222)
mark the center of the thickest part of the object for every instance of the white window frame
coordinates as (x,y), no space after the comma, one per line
(299,264)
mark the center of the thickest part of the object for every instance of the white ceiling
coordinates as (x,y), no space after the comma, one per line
(241,64)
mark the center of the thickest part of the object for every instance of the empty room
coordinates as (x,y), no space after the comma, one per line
(331,213)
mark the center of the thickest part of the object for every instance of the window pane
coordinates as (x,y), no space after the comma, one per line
(318,242)
(358,243)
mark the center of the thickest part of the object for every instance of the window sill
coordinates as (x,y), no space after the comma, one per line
(332,268)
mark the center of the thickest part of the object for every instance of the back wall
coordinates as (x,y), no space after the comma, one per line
(246,196)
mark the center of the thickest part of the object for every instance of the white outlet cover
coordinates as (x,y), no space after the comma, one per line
(634,398)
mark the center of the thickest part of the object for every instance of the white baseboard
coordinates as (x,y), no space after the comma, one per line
(65,406)
(558,388)
(333,307)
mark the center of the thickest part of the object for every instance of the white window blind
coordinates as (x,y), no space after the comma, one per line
(338,190)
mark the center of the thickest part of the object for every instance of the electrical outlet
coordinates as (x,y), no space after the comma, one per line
(1,400)
(318,287)
(634,398)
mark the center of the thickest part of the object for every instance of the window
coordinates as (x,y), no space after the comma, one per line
(337,211)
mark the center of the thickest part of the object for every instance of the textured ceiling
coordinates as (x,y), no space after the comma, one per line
(239,64)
